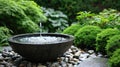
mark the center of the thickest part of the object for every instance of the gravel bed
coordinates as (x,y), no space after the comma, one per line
(71,58)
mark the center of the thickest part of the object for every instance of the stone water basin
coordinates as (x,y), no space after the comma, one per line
(40,52)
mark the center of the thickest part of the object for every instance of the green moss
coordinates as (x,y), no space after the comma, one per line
(102,37)
(86,36)
(112,44)
(72,29)
(114,60)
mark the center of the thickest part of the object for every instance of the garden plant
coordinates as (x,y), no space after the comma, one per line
(85,37)
(113,44)
(22,16)
(57,21)
(71,30)
(108,18)
(103,36)
(19,16)
(4,34)
(114,60)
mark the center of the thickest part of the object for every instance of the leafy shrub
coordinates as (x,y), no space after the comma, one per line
(84,17)
(86,36)
(106,19)
(57,20)
(114,60)
(112,44)
(102,37)
(21,16)
(4,34)
(72,29)
(33,11)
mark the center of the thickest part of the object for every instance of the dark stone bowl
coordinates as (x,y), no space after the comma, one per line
(40,52)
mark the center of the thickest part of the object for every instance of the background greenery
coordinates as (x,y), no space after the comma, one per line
(57,21)
(108,18)
(71,7)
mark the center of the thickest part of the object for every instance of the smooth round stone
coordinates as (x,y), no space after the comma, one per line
(1,58)
(66,59)
(69,50)
(72,62)
(55,64)
(69,56)
(77,53)
(93,55)
(75,60)
(40,65)
(90,51)
(63,64)
(69,65)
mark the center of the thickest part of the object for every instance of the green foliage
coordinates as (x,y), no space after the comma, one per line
(21,16)
(71,7)
(113,44)
(106,19)
(86,36)
(71,30)
(84,17)
(33,11)
(57,20)
(114,60)
(4,34)
(102,37)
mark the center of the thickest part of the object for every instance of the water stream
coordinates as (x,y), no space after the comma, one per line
(40,29)
(41,39)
